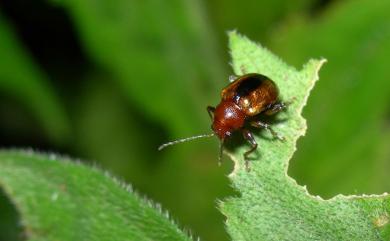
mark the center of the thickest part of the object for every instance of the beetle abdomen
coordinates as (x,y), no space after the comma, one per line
(249,84)
(252,93)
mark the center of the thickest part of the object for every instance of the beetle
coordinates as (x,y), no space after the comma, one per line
(242,101)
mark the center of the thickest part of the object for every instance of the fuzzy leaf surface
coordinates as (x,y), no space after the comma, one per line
(58,199)
(271,205)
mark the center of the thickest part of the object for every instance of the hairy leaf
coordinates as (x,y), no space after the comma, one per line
(61,200)
(272,206)
(353,97)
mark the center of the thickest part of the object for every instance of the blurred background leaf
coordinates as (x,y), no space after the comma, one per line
(176,45)
(109,81)
(60,199)
(22,80)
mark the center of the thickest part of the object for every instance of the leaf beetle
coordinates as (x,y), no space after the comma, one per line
(242,101)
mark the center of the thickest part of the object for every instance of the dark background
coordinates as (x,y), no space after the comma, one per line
(108,81)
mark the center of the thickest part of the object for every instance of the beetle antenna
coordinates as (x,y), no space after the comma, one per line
(184,140)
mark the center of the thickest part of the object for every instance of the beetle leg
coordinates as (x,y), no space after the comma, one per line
(266,126)
(232,78)
(211,110)
(275,108)
(249,137)
(278,106)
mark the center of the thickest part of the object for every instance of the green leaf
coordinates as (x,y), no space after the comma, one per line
(353,97)
(61,200)
(116,121)
(272,206)
(22,79)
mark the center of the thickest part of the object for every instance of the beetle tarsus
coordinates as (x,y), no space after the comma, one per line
(278,106)
(275,108)
(259,124)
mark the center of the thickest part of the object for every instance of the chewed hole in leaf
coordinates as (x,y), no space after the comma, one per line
(272,206)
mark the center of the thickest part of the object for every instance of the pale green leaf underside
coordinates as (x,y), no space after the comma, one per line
(272,206)
(59,199)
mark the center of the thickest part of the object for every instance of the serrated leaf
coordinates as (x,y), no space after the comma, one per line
(353,97)
(61,200)
(272,206)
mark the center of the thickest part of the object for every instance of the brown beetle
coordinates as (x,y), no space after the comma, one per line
(242,101)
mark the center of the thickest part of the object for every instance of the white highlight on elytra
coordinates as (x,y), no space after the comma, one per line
(184,140)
